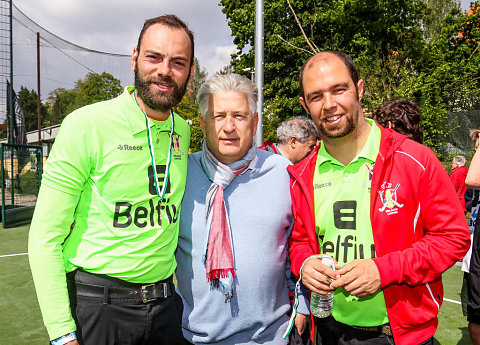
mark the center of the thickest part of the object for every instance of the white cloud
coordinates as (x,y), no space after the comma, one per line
(113,26)
(214,58)
(82,22)
(465,4)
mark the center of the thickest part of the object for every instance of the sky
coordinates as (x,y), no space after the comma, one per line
(465,4)
(113,25)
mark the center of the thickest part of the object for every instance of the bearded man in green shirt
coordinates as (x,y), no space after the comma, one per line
(105,228)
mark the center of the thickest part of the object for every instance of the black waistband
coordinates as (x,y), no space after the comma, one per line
(358,330)
(111,290)
(385,329)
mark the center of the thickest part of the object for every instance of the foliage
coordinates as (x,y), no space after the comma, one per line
(189,110)
(434,122)
(93,88)
(27,99)
(369,31)
(28,102)
(199,77)
(366,30)
(97,87)
(226,70)
(449,80)
(435,11)
(28,183)
(60,103)
(450,74)
(191,113)
(402,48)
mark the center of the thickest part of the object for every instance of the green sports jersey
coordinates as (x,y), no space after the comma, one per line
(99,175)
(343,226)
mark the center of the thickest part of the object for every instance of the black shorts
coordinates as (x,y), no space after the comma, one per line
(473,307)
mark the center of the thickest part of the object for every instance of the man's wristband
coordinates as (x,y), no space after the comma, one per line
(64,339)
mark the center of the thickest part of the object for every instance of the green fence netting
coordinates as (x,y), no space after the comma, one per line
(21,174)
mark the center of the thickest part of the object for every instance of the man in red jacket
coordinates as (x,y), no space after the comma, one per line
(381,205)
(457,176)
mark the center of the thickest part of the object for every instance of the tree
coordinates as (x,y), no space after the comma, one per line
(437,11)
(383,37)
(93,88)
(402,48)
(60,103)
(188,107)
(97,87)
(226,70)
(189,110)
(27,99)
(28,102)
(199,77)
(450,75)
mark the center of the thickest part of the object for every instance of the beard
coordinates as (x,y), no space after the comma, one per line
(337,131)
(156,99)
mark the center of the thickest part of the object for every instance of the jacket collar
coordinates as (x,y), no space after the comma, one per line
(389,142)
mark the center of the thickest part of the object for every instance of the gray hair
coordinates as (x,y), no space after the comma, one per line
(460,160)
(227,82)
(300,127)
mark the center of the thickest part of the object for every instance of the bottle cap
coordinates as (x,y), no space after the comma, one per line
(328,261)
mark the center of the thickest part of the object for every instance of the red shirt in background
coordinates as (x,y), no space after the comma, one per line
(457,176)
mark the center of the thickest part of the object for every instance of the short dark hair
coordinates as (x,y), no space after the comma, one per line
(347,61)
(170,21)
(404,115)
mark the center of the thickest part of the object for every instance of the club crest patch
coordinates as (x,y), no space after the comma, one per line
(176,145)
(388,195)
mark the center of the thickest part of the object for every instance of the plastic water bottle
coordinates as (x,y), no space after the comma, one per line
(320,305)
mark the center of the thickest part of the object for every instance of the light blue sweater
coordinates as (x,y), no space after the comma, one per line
(259,207)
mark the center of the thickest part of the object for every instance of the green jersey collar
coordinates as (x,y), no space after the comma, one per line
(368,151)
(136,119)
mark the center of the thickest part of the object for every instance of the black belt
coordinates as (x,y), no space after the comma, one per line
(136,292)
(385,329)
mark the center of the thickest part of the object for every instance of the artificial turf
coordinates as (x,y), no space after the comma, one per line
(21,322)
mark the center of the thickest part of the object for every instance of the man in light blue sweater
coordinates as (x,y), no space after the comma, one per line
(235,220)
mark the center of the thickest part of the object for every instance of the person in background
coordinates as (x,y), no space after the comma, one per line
(472,204)
(457,176)
(235,221)
(105,227)
(472,181)
(401,115)
(296,138)
(381,205)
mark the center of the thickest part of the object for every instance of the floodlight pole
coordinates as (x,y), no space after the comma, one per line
(259,63)
(39,103)
(12,108)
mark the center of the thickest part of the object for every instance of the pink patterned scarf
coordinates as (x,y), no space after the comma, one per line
(219,258)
